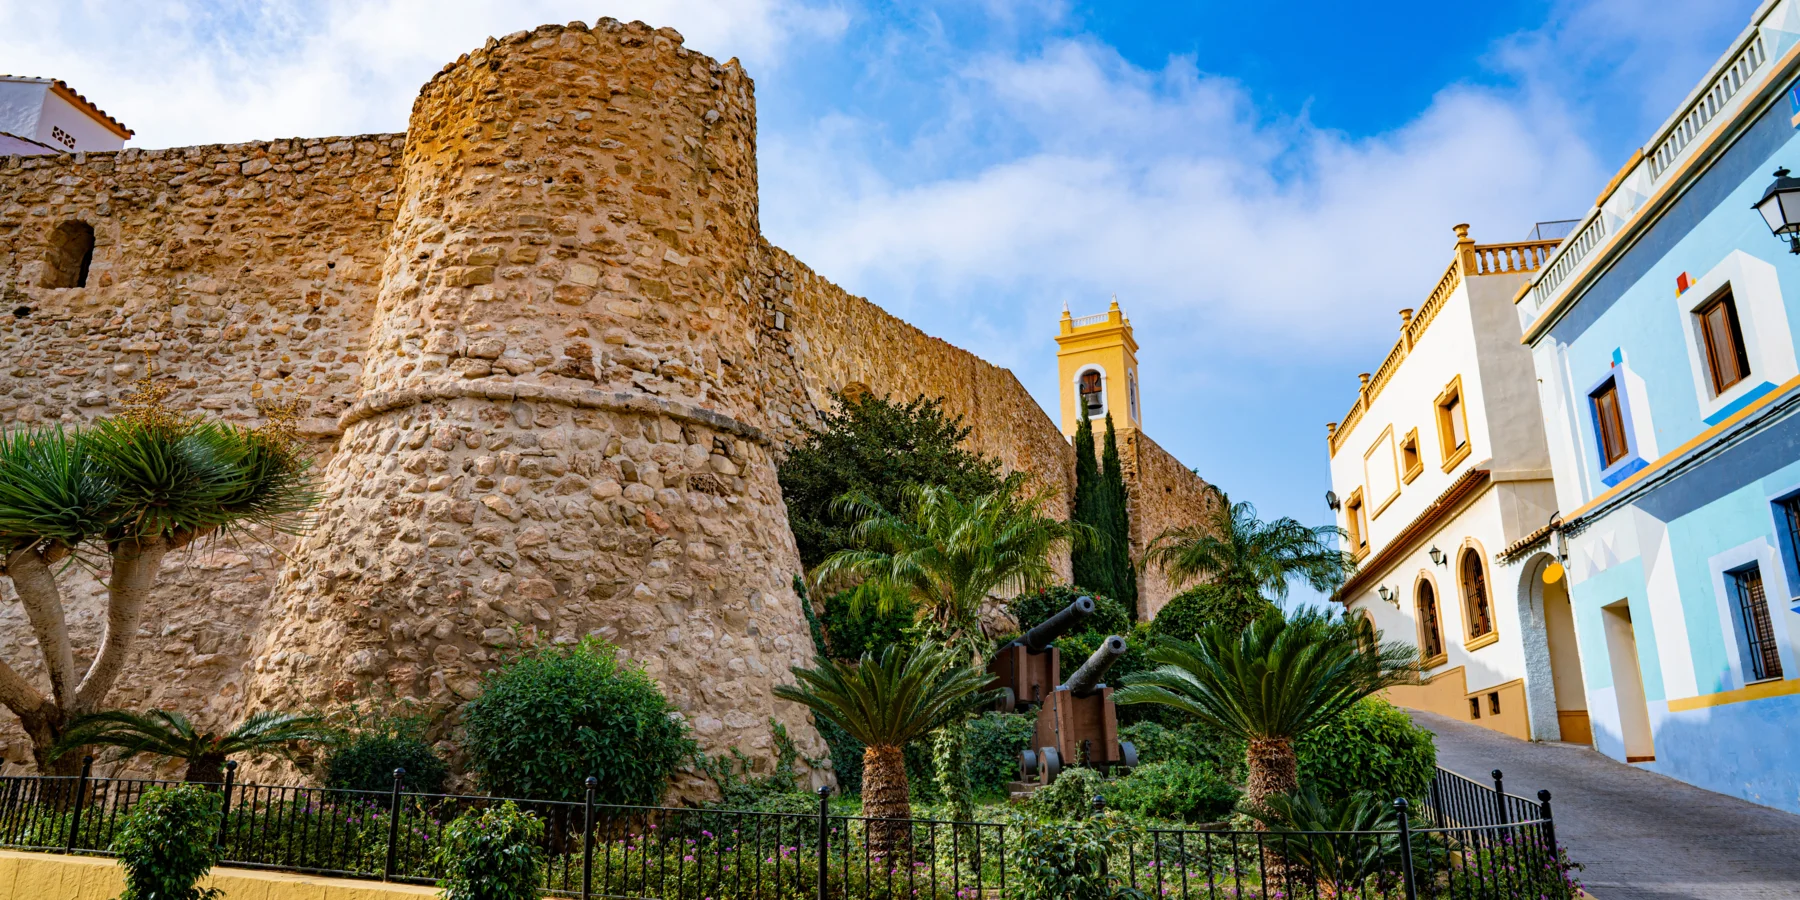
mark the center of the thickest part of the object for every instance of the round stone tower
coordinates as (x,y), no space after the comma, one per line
(557,435)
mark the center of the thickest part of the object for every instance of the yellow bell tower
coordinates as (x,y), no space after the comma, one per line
(1097,363)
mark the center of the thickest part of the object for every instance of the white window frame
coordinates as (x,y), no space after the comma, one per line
(1774,575)
(1768,345)
(1104,388)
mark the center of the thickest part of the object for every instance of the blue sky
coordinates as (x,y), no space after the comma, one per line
(1263,185)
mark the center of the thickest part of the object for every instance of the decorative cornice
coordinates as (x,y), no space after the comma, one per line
(1446,505)
(375,403)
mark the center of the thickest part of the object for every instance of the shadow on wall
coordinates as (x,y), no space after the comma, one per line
(1726,749)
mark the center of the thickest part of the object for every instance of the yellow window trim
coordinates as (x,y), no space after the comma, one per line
(1412,439)
(1385,435)
(1433,663)
(1762,690)
(1456,457)
(1483,641)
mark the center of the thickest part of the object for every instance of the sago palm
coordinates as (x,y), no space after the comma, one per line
(163,733)
(886,702)
(119,496)
(1249,561)
(1271,682)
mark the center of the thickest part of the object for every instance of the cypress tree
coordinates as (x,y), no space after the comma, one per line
(1087,563)
(1117,524)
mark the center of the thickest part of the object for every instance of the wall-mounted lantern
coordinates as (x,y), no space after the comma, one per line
(1780,208)
(1331,500)
(1389,595)
(1437,556)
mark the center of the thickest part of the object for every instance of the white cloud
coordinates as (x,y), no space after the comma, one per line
(188,72)
(1171,188)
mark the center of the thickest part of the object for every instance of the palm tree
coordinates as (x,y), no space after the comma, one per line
(120,496)
(1248,561)
(170,734)
(1342,844)
(948,556)
(1271,682)
(886,703)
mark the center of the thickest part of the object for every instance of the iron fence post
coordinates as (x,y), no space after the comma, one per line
(1406,854)
(824,835)
(1499,797)
(393,841)
(1437,803)
(225,804)
(1549,825)
(587,839)
(81,789)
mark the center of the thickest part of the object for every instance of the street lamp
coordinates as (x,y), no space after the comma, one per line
(1780,208)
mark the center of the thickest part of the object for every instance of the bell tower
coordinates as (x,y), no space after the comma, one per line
(1096,360)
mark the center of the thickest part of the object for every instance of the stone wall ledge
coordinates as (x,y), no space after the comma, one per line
(57,877)
(375,403)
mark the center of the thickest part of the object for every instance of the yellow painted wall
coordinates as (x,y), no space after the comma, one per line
(1447,694)
(45,876)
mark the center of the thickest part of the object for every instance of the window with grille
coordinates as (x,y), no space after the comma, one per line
(1609,423)
(1431,633)
(1764,659)
(1787,511)
(1093,398)
(1475,595)
(1722,337)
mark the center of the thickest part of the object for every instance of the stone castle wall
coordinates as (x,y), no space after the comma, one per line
(546,359)
(1164,494)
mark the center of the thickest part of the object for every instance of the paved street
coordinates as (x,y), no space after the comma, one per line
(1641,836)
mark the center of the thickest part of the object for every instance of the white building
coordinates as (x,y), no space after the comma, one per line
(1440,464)
(43,115)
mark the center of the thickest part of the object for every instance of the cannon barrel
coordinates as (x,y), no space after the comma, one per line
(1086,679)
(1038,639)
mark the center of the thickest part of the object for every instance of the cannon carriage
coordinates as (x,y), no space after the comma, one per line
(1078,723)
(1027,670)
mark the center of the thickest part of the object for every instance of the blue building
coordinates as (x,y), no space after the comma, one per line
(1663,336)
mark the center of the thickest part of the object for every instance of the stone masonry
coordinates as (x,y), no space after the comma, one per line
(548,363)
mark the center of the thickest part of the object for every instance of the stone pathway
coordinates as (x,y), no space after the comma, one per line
(1642,836)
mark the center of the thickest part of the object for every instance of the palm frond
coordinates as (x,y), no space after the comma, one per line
(1278,678)
(1245,554)
(889,700)
(50,489)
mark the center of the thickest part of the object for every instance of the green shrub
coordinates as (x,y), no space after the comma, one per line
(366,760)
(852,629)
(166,844)
(553,717)
(1193,609)
(1175,791)
(1110,616)
(1188,742)
(1076,648)
(1071,795)
(491,854)
(995,741)
(1068,860)
(1372,747)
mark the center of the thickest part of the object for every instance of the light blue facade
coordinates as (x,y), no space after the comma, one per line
(1661,547)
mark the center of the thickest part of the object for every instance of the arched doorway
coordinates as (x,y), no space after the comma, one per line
(1552,655)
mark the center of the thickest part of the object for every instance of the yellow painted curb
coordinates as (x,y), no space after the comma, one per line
(48,876)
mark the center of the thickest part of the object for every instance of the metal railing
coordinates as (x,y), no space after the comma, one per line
(1469,841)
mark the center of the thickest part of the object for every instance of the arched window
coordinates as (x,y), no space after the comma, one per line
(1092,386)
(1477,606)
(1431,630)
(71,252)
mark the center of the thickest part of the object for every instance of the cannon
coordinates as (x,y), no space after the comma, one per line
(1078,723)
(1026,670)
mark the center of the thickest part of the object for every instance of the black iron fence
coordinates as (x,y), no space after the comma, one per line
(1468,841)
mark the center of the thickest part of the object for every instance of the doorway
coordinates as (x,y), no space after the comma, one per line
(1628,683)
(1565,659)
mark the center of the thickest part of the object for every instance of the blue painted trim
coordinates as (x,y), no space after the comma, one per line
(1623,469)
(1750,396)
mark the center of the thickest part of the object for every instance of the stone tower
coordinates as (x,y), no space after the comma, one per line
(558,434)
